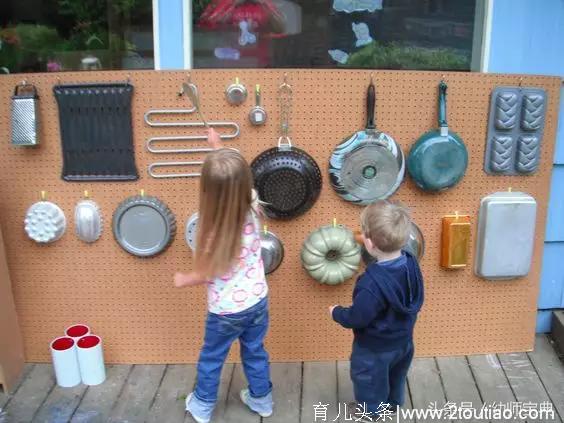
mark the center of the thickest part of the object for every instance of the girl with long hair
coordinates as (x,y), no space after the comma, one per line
(228,260)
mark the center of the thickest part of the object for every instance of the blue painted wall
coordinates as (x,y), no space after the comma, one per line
(171,34)
(528,37)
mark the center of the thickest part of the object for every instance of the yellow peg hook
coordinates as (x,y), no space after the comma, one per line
(142,193)
(334,222)
(265,229)
(86,194)
(43,195)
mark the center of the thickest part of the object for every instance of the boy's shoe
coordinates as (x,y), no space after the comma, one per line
(262,408)
(190,408)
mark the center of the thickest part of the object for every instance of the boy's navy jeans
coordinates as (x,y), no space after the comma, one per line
(379,377)
(250,327)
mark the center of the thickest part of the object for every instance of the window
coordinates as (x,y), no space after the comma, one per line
(63,35)
(384,34)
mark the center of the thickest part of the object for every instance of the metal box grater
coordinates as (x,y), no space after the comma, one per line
(25,116)
(506,235)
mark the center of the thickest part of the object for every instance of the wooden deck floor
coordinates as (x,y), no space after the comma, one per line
(156,393)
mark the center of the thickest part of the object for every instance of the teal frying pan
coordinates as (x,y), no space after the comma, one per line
(438,159)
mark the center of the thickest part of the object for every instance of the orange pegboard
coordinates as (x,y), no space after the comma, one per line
(132,303)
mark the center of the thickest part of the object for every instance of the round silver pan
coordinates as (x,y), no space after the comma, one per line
(143,226)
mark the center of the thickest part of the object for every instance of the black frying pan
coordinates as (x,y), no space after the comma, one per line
(287,179)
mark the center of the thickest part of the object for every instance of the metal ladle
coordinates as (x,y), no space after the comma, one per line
(192,92)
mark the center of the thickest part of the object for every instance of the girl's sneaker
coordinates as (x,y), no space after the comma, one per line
(262,406)
(199,411)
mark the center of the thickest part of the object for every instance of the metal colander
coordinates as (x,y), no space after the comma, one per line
(288,180)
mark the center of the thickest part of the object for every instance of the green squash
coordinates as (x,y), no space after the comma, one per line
(331,255)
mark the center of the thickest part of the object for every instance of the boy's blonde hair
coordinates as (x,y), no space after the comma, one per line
(387,224)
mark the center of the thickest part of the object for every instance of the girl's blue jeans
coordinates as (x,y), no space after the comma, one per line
(250,327)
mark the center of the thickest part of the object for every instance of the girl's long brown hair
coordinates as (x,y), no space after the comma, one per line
(225,200)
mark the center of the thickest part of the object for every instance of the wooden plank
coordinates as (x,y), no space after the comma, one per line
(137,396)
(5,396)
(550,370)
(425,385)
(220,408)
(490,379)
(407,405)
(320,390)
(97,403)
(345,392)
(60,404)
(287,391)
(524,380)
(235,410)
(170,401)
(458,382)
(31,394)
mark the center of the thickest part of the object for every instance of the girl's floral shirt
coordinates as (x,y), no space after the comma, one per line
(245,284)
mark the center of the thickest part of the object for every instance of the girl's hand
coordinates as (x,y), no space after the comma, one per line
(181,280)
(188,279)
(213,138)
(331,308)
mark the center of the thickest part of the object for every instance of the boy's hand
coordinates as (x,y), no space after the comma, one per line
(213,138)
(331,308)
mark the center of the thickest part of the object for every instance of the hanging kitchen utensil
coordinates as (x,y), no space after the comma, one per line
(191,231)
(272,251)
(257,115)
(87,220)
(369,165)
(96,132)
(45,221)
(438,159)
(192,92)
(152,142)
(236,93)
(506,235)
(415,245)
(287,179)
(515,130)
(455,241)
(25,116)
(168,175)
(143,225)
(330,254)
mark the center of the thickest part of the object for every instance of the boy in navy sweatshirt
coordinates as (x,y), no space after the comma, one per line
(386,301)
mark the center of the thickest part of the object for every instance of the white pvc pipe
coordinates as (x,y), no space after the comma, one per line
(77,331)
(65,362)
(91,360)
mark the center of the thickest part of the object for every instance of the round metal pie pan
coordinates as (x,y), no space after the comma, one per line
(191,231)
(143,226)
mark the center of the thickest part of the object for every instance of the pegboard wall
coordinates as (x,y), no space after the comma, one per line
(131,302)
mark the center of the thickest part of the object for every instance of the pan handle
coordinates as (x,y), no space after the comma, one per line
(442,105)
(370,106)
(284,143)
